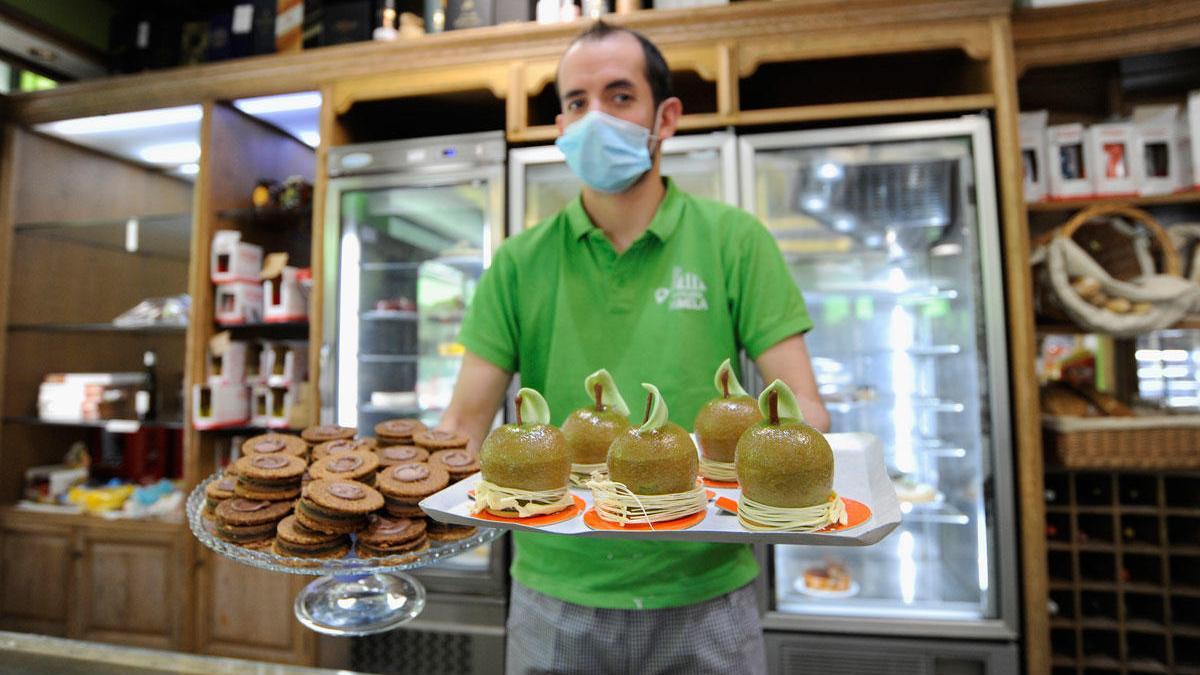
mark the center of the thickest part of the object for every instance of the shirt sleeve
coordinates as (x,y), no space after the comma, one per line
(766,303)
(490,327)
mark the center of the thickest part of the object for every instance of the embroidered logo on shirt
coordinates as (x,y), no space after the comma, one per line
(685,293)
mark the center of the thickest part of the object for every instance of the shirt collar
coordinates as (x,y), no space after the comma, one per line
(665,220)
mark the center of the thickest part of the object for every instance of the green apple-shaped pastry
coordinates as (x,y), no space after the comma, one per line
(721,421)
(531,455)
(656,458)
(589,431)
(781,461)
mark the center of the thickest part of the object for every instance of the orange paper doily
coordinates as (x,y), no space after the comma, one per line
(538,521)
(708,482)
(594,521)
(857,512)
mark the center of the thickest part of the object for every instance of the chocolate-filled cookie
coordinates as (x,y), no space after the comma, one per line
(386,537)
(269,444)
(405,485)
(217,492)
(342,445)
(355,465)
(245,521)
(398,431)
(274,477)
(337,506)
(292,538)
(326,432)
(436,439)
(400,454)
(458,463)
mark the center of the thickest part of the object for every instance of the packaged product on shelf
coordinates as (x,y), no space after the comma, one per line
(1110,149)
(227,359)
(238,303)
(1067,150)
(287,407)
(285,363)
(260,406)
(285,299)
(1192,132)
(220,405)
(78,397)
(234,259)
(50,484)
(1033,154)
(1156,161)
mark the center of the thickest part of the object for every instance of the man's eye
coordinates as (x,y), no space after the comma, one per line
(574,105)
(622,98)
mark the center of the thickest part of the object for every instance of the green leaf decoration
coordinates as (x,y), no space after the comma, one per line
(608,391)
(531,407)
(657,415)
(735,387)
(786,406)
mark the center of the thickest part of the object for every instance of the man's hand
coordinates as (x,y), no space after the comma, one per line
(478,394)
(788,360)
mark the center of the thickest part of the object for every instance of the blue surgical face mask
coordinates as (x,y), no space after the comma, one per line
(608,153)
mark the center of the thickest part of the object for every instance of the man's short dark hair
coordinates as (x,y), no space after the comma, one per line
(657,72)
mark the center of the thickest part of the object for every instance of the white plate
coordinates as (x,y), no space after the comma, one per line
(859,474)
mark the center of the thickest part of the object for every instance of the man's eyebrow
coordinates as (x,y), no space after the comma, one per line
(615,84)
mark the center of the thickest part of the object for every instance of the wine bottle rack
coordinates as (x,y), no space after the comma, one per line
(1124,563)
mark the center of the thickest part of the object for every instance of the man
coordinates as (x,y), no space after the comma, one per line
(656,286)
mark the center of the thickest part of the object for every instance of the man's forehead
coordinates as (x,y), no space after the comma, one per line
(604,61)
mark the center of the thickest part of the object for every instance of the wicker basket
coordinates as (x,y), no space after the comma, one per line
(1149,442)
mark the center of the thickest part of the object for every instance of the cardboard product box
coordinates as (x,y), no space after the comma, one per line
(227,360)
(1192,134)
(254,372)
(289,25)
(285,363)
(1033,154)
(1111,149)
(285,298)
(260,406)
(79,397)
(1156,161)
(220,405)
(288,410)
(47,484)
(234,259)
(1067,160)
(238,303)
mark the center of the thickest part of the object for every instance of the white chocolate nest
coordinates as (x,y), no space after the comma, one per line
(616,503)
(759,517)
(489,496)
(725,472)
(582,473)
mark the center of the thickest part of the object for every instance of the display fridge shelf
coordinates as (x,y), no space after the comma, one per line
(352,596)
(389,315)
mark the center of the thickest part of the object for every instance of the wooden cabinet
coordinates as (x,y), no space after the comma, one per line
(93,580)
(245,612)
(131,587)
(36,578)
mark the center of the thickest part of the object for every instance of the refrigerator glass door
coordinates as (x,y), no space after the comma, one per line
(890,233)
(541,183)
(411,249)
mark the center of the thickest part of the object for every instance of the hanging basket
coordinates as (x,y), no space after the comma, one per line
(1186,238)
(1112,283)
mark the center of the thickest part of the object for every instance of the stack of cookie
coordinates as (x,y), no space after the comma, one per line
(274,498)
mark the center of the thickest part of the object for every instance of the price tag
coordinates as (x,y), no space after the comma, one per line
(243,18)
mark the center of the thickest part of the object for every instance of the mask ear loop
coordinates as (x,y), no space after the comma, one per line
(653,138)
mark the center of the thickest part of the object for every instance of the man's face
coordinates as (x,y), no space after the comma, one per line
(608,75)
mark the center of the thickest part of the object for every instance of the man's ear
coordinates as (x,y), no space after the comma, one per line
(672,110)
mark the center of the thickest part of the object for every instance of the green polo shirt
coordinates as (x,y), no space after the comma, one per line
(558,303)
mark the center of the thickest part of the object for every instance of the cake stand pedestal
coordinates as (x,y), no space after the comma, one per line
(351,595)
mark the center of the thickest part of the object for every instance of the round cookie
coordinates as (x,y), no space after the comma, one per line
(274,477)
(293,539)
(398,431)
(458,463)
(404,486)
(267,444)
(436,439)
(342,445)
(400,454)
(354,465)
(385,537)
(326,432)
(443,532)
(336,506)
(217,492)
(243,521)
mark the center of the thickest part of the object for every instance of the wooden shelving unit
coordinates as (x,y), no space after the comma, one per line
(1123,554)
(1178,198)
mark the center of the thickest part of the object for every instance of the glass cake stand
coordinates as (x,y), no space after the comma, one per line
(352,595)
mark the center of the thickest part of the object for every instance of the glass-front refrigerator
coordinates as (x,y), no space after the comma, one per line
(410,226)
(892,234)
(540,183)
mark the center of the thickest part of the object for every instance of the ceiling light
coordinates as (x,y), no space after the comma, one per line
(312,138)
(171,153)
(265,105)
(143,119)
(190,169)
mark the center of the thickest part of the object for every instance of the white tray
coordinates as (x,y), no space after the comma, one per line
(859,474)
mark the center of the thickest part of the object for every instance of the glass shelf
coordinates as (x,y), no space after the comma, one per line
(95,328)
(266,214)
(161,235)
(297,330)
(114,426)
(388,315)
